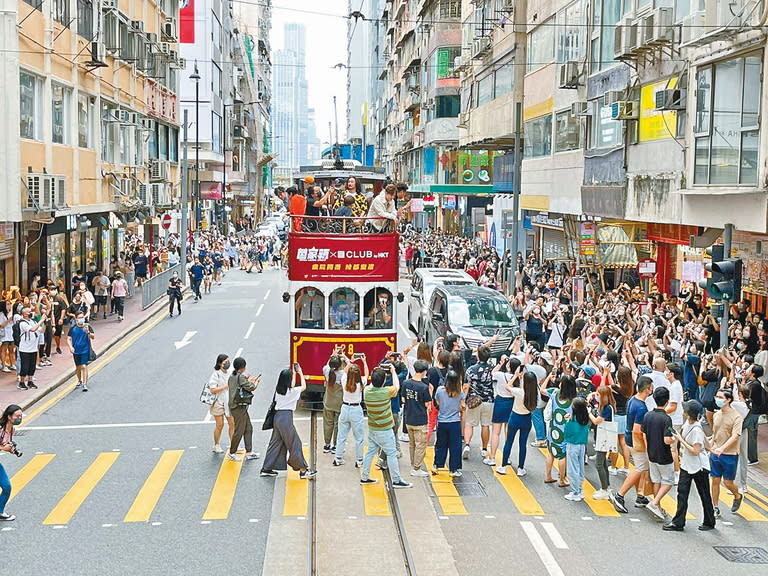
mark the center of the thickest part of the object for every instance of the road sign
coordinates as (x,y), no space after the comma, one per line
(166,221)
(646,268)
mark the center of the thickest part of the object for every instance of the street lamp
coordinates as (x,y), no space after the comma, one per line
(195,76)
(224,216)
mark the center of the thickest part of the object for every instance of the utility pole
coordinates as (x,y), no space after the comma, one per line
(184,203)
(727,240)
(516,194)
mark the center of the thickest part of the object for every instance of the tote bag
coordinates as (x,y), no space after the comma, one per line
(607,436)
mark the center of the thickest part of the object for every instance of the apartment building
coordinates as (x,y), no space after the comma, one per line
(90,130)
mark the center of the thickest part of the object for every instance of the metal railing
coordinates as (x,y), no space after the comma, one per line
(156,287)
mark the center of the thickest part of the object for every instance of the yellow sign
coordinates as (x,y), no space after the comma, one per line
(656,124)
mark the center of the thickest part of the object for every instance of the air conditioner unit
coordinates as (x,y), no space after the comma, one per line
(458,63)
(661,29)
(463,119)
(481,46)
(635,39)
(127,117)
(693,27)
(239,131)
(624,110)
(113,115)
(145,194)
(581,108)
(159,170)
(137,26)
(181,63)
(126,186)
(148,124)
(165,47)
(173,56)
(46,192)
(160,194)
(151,37)
(670,99)
(169,30)
(569,74)
(612,96)
(507,5)
(624,37)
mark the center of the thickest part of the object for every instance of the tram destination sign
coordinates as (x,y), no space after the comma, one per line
(343,257)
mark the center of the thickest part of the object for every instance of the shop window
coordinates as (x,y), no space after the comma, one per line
(310,308)
(538,137)
(378,309)
(541,45)
(568,132)
(344,304)
(727,122)
(29,102)
(60,106)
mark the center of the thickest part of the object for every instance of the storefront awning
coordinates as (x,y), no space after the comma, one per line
(457,189)
(616,249)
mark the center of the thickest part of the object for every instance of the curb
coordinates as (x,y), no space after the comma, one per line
(58,383)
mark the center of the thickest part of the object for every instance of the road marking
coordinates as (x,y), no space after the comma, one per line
(138,425)
(28,472)
(599,507)
(750,496)
(444,488)
(745,511)
(239,351)
(81,489)
(250,329)
(296,493)
(267,294)
(95,368)
(186,340)
(546,557)
(150,493)
(223,492)
(261,307)
(518,492)
(554,535)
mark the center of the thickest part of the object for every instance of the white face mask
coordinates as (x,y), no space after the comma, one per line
(382,301)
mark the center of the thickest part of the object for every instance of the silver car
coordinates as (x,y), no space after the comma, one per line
(423,284)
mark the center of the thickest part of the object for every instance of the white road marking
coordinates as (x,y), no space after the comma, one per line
(192,447)
(208,417)
(267,294)
(107,525)
(253,520)
(59,527)
(554,535)
(157,523)
(115,449)
(634,519)
(205,522)
(155,449)
(6,529)
(489,517)
(239,351)
(586,518)
(351,517)
(186,340)
(250,329)
(76,451)
(139,425)
(261,307)
(553,568)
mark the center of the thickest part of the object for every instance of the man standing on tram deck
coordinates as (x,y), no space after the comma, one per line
(383,209)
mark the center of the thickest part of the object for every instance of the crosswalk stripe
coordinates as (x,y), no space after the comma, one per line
(517,491)
(599,507)
(444,488)
(296,493)
(375,495)
(223,492)
(758,495)
(28,472)
(81,489)
(150,493)
(745,511)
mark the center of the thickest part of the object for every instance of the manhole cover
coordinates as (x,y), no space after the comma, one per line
(469,489)
(743,554)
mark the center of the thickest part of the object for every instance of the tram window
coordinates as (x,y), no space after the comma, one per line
(310,308)
(378,309)
(344,304)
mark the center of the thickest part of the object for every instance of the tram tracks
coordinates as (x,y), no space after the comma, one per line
(405,549)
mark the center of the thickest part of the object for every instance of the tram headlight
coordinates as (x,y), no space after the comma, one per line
(400,297)
(286,297)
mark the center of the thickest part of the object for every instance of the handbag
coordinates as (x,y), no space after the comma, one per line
(206,396)
(92,355)
(269,418)
(243,397)
(473,401)
(607,436)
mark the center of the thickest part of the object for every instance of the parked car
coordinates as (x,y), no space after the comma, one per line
(277,221)
(422,284)
(475,314)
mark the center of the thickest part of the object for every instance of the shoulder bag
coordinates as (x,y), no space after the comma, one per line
(608,435)
(206,396)
(269,418)
(243,397)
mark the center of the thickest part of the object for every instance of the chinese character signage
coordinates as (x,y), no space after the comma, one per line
(187,22)
(343,257)
(588,238)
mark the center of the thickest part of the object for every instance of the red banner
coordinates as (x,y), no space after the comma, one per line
(364,258)
(187,22)
(213,192)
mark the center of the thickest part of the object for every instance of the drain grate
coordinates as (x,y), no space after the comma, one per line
(469,489)
(743,554)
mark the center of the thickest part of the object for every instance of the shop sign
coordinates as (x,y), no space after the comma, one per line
(449,202)
(212,193)
(588,234)
(417,205)
(343,257)
(6,231)
(72,220)
(543,219)
(577,297)
(646,268)
(656,124)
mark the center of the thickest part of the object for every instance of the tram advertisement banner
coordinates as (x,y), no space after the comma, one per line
(343,257)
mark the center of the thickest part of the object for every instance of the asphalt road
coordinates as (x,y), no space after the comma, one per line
(148,396)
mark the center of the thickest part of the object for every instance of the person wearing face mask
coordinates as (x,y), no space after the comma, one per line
(11,417)
(28,347)
(343,317)
(59,311)
(380,316)
(723,446)
(534,326)
(309,306)
(218,385)
(174,294)
(119,292)
(79,342)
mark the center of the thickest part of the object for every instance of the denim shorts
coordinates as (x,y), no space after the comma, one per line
(621,420)
(723,466)
(502,408)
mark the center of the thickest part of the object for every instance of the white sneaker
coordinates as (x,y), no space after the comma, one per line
(218,449)
(465,452)
(419,473)
(252,456)
(612,470)
(489,461)
(521,472)
(455,474)
(404,438)
(501,470)
(233,457)
(655,510)
(601,495)
(573,497)
(484,453)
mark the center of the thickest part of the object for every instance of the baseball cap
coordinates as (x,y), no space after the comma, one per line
(547,357)
(339,182)
(596,381)
(589,371)
(309,179)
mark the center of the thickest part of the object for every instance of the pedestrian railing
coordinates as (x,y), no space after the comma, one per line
(157,286)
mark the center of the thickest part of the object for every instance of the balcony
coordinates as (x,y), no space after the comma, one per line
(441,130)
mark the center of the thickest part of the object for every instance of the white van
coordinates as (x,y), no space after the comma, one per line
(423,283)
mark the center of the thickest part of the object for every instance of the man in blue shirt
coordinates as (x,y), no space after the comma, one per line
(79,341)
(196,273)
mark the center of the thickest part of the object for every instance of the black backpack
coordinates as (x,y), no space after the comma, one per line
(16,333)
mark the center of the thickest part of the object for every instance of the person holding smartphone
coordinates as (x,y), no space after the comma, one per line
(659,438)
(238,407)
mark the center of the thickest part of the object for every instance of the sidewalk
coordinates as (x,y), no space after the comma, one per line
(108,333)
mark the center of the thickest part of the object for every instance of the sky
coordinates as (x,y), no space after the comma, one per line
(326,46)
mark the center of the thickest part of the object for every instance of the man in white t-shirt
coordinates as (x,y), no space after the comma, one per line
(668,376)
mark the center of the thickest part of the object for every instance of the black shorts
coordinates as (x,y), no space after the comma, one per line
(58,329)
(101,299)
(28,363)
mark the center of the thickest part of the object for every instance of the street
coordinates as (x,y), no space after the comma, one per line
(122,480)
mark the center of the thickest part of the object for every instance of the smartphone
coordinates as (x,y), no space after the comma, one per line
(357,355)
(295,366)
(259,376)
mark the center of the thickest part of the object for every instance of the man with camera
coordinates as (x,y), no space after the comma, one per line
(10,418)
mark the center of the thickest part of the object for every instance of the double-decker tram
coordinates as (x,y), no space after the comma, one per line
(343,291)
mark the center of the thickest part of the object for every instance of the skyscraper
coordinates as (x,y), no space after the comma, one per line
(290,126)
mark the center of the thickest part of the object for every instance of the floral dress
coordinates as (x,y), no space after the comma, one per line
(556,428)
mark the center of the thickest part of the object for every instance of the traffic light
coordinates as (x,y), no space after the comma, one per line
(724,282)
(716,253)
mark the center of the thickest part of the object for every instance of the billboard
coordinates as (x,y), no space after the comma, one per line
(343,257)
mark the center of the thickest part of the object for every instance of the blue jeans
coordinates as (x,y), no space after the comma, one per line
(383,440)
(538,424)
(517,423)
(5,486)
(448,442)
(350,417)
(574,454)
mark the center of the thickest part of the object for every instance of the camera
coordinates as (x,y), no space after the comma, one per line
(16,452)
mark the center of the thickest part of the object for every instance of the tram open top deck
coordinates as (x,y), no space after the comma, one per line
(326,173)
